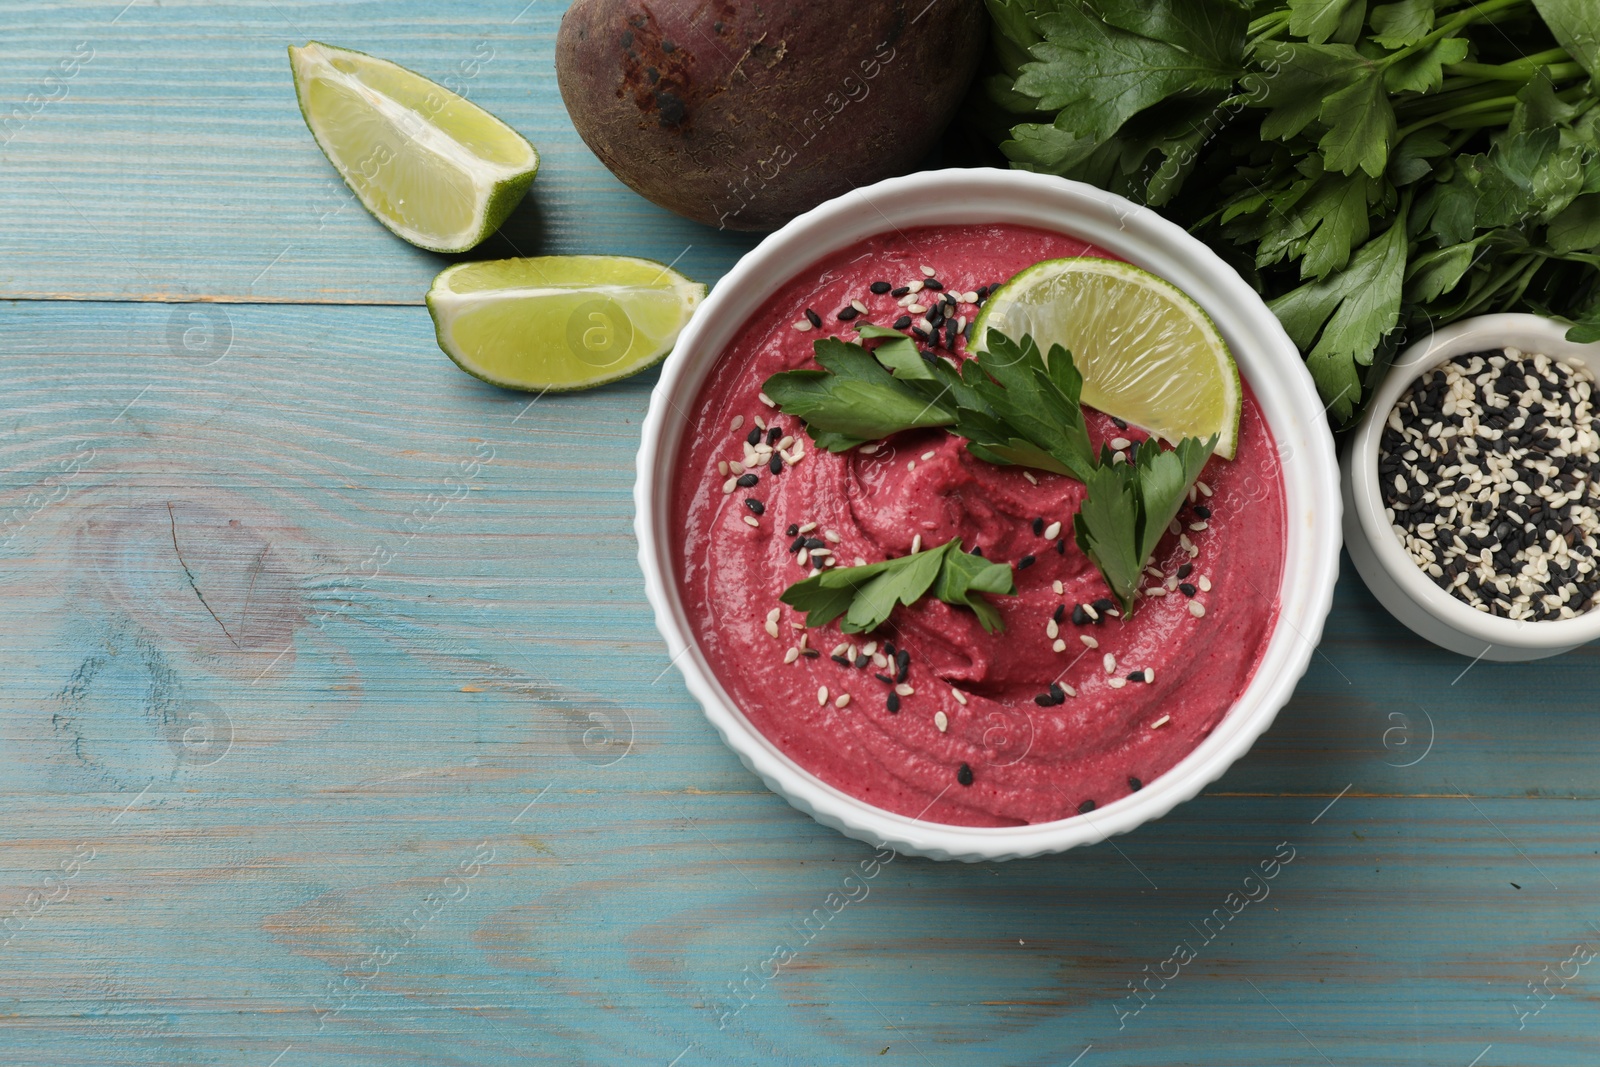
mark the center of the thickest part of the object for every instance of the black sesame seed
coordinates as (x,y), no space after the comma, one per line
(1058,695)
(1186,570)
(884,678)
(1024,563)
(901,291)
(754,436)
(755,505)
(799,542)
(1086,807)
(1118,423)
(1187,589)
(841,659)
(902,322)
(1045,700)
(1103,605)
(1061,547)
(893,704)
(881,287)
(964,774)
(847,314)
(816,542)
(933,283)
(813,318)
(776,465)
(1202,511)
(1079,616)
(774,434)
(902,662)
(811,653)
(1038,527)
(920,332)
(1134,784)
(1136,676)
(747,480)
(862,661)
(793,530)
(977,550)
(1060,613)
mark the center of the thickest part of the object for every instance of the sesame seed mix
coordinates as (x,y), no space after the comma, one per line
(1488,472)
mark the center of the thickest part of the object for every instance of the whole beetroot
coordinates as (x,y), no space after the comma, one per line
(742,115)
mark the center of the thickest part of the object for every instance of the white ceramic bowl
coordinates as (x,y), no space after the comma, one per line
(1379,557)
(1265,354)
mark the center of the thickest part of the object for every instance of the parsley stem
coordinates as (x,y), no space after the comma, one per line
(1556,61)
(1499,103)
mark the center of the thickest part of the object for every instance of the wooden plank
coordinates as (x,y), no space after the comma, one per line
(172,162)
(250,824)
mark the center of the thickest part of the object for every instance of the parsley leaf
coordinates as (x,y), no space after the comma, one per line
(866,596)
(855,399)
(1129,508)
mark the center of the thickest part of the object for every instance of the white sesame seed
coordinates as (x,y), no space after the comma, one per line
(784,443)
(961,698)
(860,561)
(1109,662)
(772,629)
(1197,609)
(1088,642)
(767,400)
(1155,591)
(1059,645)
(735,468)
(1067,689)
(1029,475)
(1116,683)
(791,655)
(928,455)
(1149,675)
(927,271)
(1119,443)
(840,649)
(843,701)
(822,697)
(730,485)
(916,286)
(869,648)
(803,557)
(1203,487)
(775,614)
(1089,610)
(861,309)
(868,449)
(879,660)
(722,467)
(813,572)
(807,527)
(1118,457)
(917,309)
(1198,526)
(803,325)
(1204,583)
(1159,723)
(851,653)
(1183,539)
(1052,630)
(916,544)
(1052,531)
(941,720)
(970,297)
(1058,587)
(737,424)
(751,520)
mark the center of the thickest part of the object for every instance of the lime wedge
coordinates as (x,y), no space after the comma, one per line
(1149,356)
(438,171)
(560,322)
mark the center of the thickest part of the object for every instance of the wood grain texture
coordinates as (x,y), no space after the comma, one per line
(336,731)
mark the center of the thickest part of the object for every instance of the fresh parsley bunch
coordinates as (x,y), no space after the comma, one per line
(1014,407)
(1374,170)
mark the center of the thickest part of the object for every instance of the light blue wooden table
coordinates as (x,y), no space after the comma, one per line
(334,729)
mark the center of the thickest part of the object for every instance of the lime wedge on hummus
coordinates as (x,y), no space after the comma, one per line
(1149,355)
(437,170)
(560,323)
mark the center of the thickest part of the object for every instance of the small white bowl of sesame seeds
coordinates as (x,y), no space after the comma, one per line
(1472,490)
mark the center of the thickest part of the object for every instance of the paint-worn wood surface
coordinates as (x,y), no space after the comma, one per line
(334,731)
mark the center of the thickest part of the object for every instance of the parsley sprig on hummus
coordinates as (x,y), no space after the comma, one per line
(866,595)
(1014,407)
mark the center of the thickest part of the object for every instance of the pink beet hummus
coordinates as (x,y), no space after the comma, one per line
(969,743)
